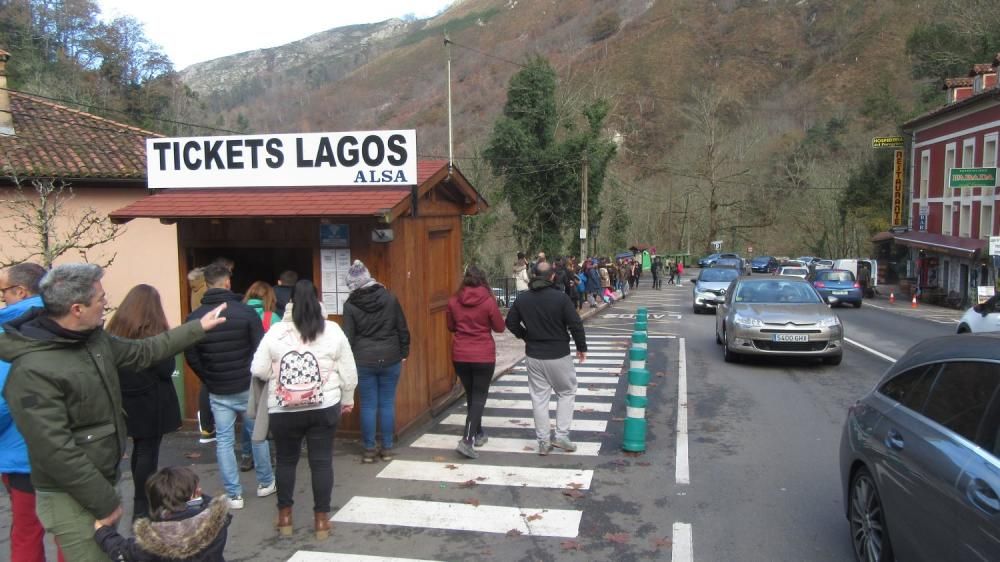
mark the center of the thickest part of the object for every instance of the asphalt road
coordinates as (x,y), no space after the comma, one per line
(757,480)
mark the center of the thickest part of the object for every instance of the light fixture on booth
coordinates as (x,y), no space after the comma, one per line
(382,235)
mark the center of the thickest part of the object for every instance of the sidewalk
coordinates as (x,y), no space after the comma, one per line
(904,306)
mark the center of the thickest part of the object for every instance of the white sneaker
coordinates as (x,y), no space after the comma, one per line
(264,491)
(236,503)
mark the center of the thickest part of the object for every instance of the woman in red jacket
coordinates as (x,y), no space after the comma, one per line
(472,314)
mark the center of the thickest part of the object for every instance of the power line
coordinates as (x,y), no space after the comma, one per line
(485,54)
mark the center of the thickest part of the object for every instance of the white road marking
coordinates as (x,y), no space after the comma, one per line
(526,405)
(488,475)
(503,445)
(460,516)
(870,350)
(683,544)
(579,391)
(592,337)
(579,369)
(606,379)
(310,556)
(620,353)
(521,423)
(682,473)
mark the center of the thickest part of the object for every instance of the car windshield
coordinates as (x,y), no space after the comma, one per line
(727,262)
(794,271)
(776,292)
(718,274)
(761,260)
(845,276)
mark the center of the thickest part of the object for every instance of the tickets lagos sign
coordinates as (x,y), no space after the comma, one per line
(284,160)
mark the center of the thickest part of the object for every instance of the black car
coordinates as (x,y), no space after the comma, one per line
(764,264)
(920,456)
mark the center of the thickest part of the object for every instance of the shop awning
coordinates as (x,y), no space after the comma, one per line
(952,245)
(300,202)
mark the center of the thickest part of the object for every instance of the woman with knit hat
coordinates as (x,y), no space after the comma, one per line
(376,327)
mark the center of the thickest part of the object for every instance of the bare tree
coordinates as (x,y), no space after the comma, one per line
(40,226)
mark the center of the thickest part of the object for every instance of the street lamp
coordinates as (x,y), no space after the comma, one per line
(594,229)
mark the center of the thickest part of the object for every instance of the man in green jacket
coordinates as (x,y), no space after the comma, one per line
(64,395)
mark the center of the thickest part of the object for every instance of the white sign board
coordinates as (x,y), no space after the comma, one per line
(995,245)
(284,160)
(717,244)
(984,293)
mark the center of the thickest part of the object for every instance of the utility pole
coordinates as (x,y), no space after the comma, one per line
(584,226)
(451,161)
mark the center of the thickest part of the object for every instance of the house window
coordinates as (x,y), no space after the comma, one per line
(989,161)
(946,220)
(986,221)
(949,163)
(925,170)
(969,153)
(965,221)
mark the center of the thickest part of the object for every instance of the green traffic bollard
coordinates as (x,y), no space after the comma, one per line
(635,430)
(640,325)
(638,381)
(641,312)
(640,339)
(636,358)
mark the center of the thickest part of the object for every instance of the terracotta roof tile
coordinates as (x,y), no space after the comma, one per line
(53,140)
(983,68)
(960,82)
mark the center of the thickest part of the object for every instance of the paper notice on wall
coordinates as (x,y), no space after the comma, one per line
(331,303)
(334,264)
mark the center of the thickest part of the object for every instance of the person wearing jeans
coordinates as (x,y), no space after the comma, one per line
(323,350)
(222,362)
(376,328)
(472,316)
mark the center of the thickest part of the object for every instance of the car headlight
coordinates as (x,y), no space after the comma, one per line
(747,322)
(829,322)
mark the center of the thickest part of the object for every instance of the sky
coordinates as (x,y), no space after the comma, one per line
(191,31)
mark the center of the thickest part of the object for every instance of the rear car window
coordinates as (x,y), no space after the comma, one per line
(718,274)
(961,394)
(835,276)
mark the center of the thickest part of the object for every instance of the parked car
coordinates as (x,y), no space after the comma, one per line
(735,263)
(793,263)
(708,260)
(777,316)
(794,271)
(838,283)
(865,273)
(764,264)
(711,283)
(920,456)
(981,318)
(821,264)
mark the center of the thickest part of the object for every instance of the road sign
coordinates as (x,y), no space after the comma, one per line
(717,244)
(887,142)
(749,249)
(973,177)
(897,188)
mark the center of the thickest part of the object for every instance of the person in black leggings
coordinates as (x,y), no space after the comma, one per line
(472,315)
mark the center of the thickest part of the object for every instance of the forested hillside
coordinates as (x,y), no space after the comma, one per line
(747,121)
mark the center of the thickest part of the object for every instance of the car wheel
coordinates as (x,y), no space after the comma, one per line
(869,533)
(833,360)
(964,329)
(727,355)
(857,304)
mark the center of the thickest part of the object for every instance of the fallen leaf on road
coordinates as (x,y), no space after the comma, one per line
(439,459)
(534,517)
(472,501)
(572,493)
(617,419)
(514,533)
(192,455)
(632,454)
(451,467)
(575,485)
(659,542)
(620,538)
(527,448)
(468,484)
(651,383)
(644,463)
(661,374)
(586,410)
(481,478)
(571,545)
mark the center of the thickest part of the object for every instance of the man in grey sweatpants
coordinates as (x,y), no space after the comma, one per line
(544,317)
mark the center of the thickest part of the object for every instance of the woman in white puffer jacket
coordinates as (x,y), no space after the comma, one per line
(311,376)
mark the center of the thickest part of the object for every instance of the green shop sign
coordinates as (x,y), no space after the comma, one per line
(973,177)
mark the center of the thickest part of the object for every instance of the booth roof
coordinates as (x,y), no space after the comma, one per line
(276,202)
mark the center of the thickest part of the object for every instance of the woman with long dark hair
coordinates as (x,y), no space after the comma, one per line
(148,396)
(310,373)
(472,316)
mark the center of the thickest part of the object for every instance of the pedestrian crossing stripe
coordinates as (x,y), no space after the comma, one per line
(525,423)
(608,379)
(503,445)
(620,353)
(461,517)
(602,361)
(526,405)
(579,391)
(311,556)
(577,368)
(488,475)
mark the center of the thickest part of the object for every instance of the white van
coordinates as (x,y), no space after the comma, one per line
(865,272)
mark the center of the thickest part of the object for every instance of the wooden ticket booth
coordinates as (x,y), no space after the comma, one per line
(409,237)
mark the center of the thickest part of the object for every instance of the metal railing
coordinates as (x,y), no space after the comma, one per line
(504,290)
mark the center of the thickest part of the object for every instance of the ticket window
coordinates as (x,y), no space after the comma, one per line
(257,264)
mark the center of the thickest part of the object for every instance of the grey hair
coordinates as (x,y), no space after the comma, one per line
(69,284)
(27,275)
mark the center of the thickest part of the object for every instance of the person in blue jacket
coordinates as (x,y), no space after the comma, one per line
(19,284)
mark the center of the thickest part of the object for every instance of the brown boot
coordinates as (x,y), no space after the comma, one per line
(285,521)
(322,523)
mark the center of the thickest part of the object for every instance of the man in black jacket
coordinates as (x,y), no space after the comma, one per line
(544,318)
(222,362)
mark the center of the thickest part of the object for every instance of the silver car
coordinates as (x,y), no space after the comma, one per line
(777,316)
(710,284)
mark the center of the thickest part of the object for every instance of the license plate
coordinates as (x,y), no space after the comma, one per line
(791,337)
(840,292)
